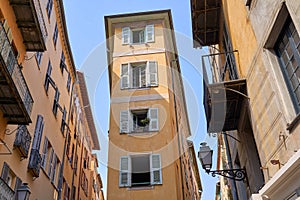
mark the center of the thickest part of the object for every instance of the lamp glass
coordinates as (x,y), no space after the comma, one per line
(205,156)
(23,192)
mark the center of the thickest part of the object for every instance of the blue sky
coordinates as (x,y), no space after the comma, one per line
(85,22)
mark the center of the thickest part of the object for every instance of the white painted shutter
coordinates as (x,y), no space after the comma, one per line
(149,33)
(126,35)
(125,176)
(153,116)
(124,76)
(155,166)
(124,121)
(152,73)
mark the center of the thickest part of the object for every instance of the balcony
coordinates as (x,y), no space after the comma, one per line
(22,141)
(224,92)
(35,162)
(31,23)
(205,22)
(5,191)
(15,99)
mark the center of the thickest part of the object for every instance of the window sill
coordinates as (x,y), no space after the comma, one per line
(150,187)
(291,126)
(139,88)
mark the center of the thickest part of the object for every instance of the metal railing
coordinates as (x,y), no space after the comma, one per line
(35,161)
(7,54)
(40,19)
(23,140)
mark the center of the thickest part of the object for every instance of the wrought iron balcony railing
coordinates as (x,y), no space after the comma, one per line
(30,20)
(35,161)
(15,98)
(5,191)
(23,140)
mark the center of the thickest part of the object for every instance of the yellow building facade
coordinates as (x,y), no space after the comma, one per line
(41,93)
(148,152)
(251,93)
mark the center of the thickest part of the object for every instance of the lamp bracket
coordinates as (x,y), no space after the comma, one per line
(235,174)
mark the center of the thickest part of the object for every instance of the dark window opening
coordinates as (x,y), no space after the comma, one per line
(140,171)
(138,36)
(140,120)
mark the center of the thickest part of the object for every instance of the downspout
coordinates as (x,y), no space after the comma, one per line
(235,195)
(61,171)
(177,129)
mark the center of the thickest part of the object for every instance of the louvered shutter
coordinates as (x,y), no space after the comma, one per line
(54,168)
(38,132)
(124,121)
(125,76)
(153,116)
(44,153)
(155,166)
(126,35)
(5,170)
(152,73)
(50,162)
(125,176)
(149,33)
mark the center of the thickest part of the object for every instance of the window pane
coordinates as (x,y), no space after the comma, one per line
(295,81)
(289,50)
(296,37)
(290,70)
(285,58)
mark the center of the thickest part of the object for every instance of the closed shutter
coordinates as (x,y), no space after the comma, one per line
(155,166)
(125,176)
(54,169)
(150,33)
(124,121)
(5,170)
(44,153)
(124,76)
(126,35)
(50,163)
(153,116)
(152,73)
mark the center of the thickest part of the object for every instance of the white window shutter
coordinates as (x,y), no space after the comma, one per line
(125,176)
(149,33)
(126,35)
(124,76)
(153,116)
(155,166)
(124,121)
(152,73)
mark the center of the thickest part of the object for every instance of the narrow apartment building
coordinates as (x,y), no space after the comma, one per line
(251,91)
(148,154)
(37,92)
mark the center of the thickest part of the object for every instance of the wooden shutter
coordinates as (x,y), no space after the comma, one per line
(50,163)
(124,121)
(149,33)
(152,73)
(44,153)
(39,127)
(155,167)
(5,171)
(125,76)
(17,184)
(125,176)
(153,116)
(126,35)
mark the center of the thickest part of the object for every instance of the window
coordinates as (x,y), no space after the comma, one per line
(66,190)
(140,170)
(48,78)
(10,178)
(63,121)
(62,63)
(139,120)
(287,49)
(46,148)
(56,102)
(69,82)
(38,57)
(139,75)
(55,34)
(39,127)
(138,35)
(49,7)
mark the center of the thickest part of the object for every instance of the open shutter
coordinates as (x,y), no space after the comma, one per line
(124,121)
(5,170)
(153,116)
(155,165)
(38,132)
(149,33)
(124,76)
(152,73)
(44,153)
(125,176)
(126,35)
(50,163)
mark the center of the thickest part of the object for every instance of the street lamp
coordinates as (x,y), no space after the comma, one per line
(205,157)
(23,192)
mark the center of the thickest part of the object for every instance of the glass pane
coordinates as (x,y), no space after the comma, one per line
(292,27)
(296,37)
(294,63)
(297,92)
(289,70)
(289,50)
(295,81)
(285,40)
(298,73)
(285,58)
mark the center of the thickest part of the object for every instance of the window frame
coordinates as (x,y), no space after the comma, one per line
(148,35)
(49,8)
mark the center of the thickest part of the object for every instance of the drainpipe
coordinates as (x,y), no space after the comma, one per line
(177,129)
(61,171)
(235,194)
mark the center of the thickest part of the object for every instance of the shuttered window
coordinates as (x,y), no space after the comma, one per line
(124,179)
(39,127)
(44,153)
(49,7)
(138,35)
(55,35)
(138,75)
(155,166)
(139,120)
